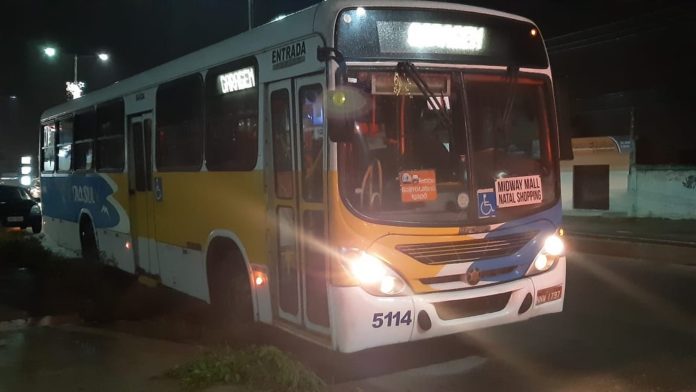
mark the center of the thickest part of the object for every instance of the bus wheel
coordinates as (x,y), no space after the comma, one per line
(88,240)
(230,293)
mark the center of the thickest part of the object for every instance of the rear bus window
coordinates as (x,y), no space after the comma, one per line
(48,148)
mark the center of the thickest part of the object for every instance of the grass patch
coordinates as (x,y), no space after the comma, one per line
(264,368)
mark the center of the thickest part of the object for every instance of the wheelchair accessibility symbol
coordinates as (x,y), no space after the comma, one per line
(486,203)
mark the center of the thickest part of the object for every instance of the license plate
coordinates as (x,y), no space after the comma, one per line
(15,219)
(549,294)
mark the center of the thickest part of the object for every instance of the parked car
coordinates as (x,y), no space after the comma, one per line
(18,209)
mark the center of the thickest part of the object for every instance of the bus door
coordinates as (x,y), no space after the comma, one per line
(140,192)
(298,200)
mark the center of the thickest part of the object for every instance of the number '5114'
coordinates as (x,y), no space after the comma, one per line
(391,319)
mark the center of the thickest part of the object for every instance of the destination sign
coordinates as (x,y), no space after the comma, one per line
(518,191)
(238,80)
(371,34)
(403,37)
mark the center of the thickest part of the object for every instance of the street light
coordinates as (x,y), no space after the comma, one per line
(49,51)
(75,88)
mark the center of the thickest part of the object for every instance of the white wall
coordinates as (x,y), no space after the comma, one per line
(666,192)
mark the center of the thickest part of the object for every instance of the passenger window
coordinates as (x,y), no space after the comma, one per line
(179,142)
(83,148)
(48,148)
(282,143)
(110,130)
(232,111)
(312,139)
(65,139)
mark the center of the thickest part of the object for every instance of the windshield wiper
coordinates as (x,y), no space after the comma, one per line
(412,73)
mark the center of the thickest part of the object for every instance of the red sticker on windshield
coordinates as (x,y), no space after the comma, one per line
(418,185)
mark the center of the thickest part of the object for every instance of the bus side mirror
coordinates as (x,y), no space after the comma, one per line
(340,122)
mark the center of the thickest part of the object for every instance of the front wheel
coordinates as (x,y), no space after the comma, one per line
(230,292)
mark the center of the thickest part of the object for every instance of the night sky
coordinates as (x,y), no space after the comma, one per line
(140,34)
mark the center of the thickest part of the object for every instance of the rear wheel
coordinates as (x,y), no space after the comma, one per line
(88,240)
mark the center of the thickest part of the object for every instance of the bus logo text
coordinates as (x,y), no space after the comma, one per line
(83,194)
(289,55)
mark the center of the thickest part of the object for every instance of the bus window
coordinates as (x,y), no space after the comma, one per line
(48,147)
(110,130)
(83,150)
(65,139)
(232,111)
(312,138)
(179,124)
(282,143)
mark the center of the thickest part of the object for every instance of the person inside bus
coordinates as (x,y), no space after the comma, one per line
(428,151)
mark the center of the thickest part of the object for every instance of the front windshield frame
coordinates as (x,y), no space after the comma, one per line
(472,219)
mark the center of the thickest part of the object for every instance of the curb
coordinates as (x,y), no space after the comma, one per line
(634,247)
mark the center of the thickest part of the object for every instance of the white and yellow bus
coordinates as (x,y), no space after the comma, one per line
(357,173)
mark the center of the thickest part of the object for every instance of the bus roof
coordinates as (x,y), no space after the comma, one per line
(316,19)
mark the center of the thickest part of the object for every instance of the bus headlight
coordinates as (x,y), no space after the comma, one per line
(372,274)
(548,256)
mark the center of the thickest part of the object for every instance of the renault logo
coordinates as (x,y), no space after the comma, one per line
(473,276)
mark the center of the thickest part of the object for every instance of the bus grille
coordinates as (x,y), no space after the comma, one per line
(450,310)
(467,250)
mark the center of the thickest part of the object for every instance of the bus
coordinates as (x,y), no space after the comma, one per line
(358,173)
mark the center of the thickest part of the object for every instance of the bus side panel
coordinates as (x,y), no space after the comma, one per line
(197,203)
(101,197)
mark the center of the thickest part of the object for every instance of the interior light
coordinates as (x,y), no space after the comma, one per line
(533,32)
(360,11)
(103,56)
(128,245)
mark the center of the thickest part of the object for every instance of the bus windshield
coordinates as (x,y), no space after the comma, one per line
(430,155)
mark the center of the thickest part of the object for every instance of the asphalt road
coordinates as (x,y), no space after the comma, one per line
(627,325)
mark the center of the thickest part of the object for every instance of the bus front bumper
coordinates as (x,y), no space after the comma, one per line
(362,321)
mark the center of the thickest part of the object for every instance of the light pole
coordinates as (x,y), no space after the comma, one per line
(76,87)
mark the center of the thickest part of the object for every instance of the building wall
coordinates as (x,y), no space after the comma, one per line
(664,191)
(645,191)
(598,151)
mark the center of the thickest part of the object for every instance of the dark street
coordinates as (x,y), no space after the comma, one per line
(627,325)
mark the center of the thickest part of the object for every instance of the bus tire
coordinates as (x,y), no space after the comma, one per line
(88,240)
(228,284)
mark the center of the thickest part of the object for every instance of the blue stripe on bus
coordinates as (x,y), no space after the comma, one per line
(63,197)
